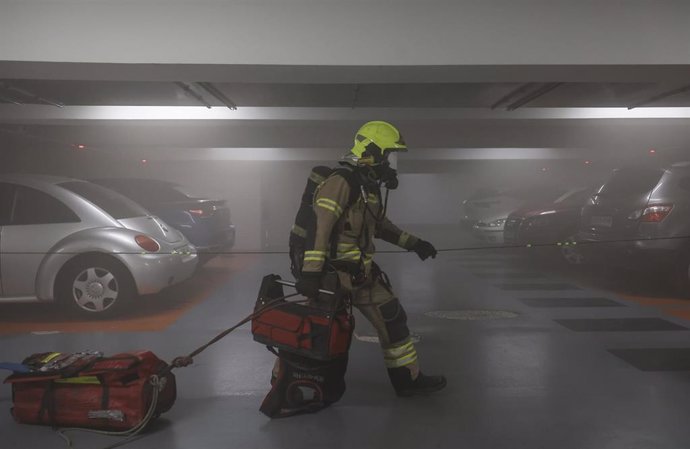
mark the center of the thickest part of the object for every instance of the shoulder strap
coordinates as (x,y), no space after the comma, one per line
(352,180)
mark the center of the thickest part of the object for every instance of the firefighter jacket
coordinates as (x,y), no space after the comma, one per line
(345,229)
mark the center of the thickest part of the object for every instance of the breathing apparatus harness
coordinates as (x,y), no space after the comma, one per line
(376,177)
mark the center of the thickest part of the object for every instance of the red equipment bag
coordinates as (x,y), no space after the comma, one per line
(115,393)
(321,333)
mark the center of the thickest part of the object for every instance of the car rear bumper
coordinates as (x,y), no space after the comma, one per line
(154,272)
(223,242)
(645,253)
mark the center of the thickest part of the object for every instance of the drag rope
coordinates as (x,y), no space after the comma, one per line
(180,362)
(442,250)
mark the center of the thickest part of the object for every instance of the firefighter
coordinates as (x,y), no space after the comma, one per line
(344,241)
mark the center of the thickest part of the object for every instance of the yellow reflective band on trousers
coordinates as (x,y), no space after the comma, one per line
(402,355)
(314,256)
(404,237)
(299,231)
(330,205)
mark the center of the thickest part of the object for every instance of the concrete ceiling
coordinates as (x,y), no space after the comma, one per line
(129,77)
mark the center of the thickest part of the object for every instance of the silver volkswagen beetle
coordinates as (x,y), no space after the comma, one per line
(83,245)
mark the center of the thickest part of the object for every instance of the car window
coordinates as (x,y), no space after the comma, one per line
(32,207)
(6,202)
(112,203)
(631,182)
(145,192)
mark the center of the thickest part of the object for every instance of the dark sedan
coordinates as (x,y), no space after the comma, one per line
(547,223)
(204,221)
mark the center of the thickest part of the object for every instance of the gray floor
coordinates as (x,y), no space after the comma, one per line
(523,382)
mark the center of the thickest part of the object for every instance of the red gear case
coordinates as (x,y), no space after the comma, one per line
(109,393)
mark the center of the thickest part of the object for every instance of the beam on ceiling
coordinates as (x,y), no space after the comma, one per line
(40,114)
(311,74)
(315,154)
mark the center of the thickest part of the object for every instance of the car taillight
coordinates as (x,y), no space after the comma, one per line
(206,212)
(655,214)
(147,243)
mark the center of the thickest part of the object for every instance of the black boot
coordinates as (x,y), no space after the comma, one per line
(401,378)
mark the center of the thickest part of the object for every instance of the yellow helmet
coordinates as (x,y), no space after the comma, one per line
(373,142)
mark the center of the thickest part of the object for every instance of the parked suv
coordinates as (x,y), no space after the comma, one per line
(640,218)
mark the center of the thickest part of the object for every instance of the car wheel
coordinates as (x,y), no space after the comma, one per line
(95,286)
(571,253)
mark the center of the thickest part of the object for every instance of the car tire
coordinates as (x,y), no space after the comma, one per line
(95,286)
(571,253)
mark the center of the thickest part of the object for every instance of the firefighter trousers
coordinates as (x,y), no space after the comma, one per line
(375,299)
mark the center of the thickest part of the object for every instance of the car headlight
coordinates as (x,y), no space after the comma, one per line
(493,224)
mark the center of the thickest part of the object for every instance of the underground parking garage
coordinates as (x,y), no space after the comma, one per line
(354,224)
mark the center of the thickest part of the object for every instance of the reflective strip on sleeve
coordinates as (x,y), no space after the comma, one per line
(330,205)
(403,239)
(314,256)
(299,231)
(373,198)
(317,178)
(349,255)
(402,355)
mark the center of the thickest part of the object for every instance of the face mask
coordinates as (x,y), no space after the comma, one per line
(387,176)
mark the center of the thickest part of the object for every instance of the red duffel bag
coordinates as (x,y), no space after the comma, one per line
(115,393)
(321,333)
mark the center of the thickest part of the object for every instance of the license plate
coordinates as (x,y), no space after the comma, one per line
(602,221)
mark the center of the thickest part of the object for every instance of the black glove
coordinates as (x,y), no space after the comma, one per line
(309,284)
(424,250)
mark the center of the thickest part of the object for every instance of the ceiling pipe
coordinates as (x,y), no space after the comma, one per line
(16,90)
(6,99)
(213,90)
(660,96)
(512,94)
(543,90)
(189,91)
